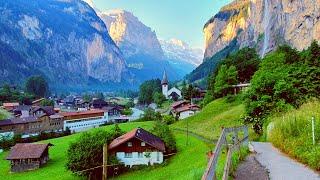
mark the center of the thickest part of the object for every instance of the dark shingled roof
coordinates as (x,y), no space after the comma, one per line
(18,120)
(26,151)
(49,110)
(142,135)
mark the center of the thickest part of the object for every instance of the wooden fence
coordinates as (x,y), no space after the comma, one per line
(236,144)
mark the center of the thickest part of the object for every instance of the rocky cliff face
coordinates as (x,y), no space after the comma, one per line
(62,39)
(130,34)
(140,46)
(263,24)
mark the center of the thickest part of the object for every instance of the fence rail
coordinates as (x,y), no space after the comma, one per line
(210,172)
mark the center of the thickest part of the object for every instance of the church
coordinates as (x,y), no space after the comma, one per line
(174,93)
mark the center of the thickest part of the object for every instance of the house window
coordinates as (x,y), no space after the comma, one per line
(129,144)
(140,155)
(143,144)
(128,155)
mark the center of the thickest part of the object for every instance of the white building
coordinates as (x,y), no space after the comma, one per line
(185,111)
(173,93)
(138,147)
(83,120)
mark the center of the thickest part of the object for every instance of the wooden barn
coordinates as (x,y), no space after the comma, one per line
(28,156)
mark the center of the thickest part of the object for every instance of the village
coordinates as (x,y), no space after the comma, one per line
(73,114)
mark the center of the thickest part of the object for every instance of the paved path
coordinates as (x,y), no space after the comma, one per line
(280,166)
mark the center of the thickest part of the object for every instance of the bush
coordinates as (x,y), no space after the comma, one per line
(167,119)
(286,78)
(162,130)
(87,151)
(150,115)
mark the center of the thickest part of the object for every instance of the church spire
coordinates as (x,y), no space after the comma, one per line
(164,78)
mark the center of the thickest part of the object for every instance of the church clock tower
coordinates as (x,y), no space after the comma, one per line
(164,84)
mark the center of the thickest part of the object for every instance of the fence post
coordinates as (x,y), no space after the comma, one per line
(105,161)
(313,135)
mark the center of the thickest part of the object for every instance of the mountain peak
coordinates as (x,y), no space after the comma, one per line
(130,34)
(180,50)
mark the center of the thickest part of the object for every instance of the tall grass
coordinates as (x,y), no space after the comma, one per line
(292,133)
(4,114)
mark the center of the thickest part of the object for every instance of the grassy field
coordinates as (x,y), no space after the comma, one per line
(212,118)
(4,114)
(292,134)
(189,163)
(55,169)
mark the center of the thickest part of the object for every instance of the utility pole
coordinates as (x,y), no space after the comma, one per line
(313,136)
(105,162)
(187,131)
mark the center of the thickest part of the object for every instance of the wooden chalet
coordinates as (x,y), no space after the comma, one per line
(138,147)
(28,156)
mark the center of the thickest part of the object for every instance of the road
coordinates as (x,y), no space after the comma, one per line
(281,167)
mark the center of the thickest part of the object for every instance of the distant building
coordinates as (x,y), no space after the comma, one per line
(10,106)
(174,93)
(28,156)
(186,111)
(99,103)
(37,102)
(83,120)
(113,110)
(179,104)
(138,147)
(240,87)
(31,121)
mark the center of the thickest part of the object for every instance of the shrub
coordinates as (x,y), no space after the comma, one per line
(87,151)
(286,78)
(162,130)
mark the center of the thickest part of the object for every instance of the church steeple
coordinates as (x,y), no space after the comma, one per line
(164,78)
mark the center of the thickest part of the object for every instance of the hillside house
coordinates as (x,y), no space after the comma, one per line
(99,103)
(186,111)
(37,102)
(138,147)
(83,120)
(179,104)
(10,106)
(28,156)
(240,87)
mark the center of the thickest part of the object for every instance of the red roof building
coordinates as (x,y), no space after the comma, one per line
(138,147)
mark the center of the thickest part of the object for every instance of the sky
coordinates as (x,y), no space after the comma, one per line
(180,19)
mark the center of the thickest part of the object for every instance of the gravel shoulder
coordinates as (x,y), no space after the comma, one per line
(250,169)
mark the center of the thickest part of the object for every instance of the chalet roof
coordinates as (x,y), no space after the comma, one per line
(26,151)
(49,110)
(178,103)
(164,78)
(11,104)
(38,100)
(55,116)
(142,135)
(242,85)
(18,120)
(99,102)
(190,107)
(94,111)
(23,108)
